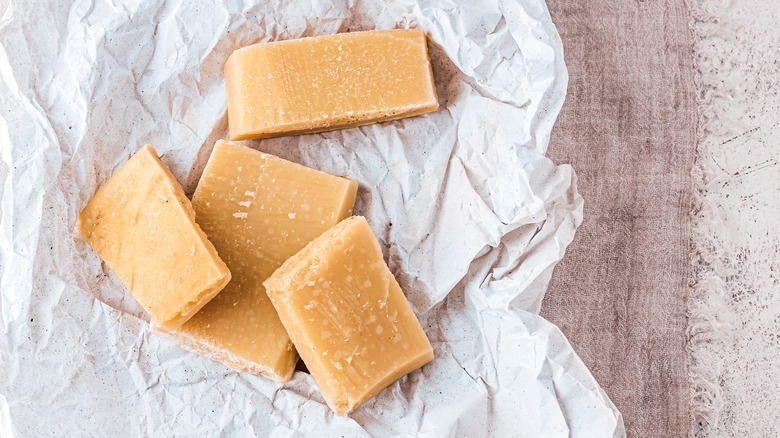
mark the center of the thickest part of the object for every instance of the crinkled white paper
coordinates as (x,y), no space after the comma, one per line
(472,216)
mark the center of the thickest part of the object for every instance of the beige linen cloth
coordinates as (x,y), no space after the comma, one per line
(628,127)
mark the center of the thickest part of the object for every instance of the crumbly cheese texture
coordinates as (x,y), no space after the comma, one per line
(328,82)
(143,227)
(347,316)
(258,210)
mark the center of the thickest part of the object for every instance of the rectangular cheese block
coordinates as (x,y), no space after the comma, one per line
(328,82)
(258,210)
(143,227)
(347,316)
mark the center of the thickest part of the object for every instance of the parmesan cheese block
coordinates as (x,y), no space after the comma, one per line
(328,82)
(258,210)
(143,227)
(347,316)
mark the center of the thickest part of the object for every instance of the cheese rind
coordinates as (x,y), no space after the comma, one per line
(347,315)
(143,227)
(258,210)
(328,82)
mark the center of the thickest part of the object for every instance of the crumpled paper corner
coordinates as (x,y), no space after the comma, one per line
(471,214)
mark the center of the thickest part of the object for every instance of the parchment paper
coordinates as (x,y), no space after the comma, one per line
(471,214)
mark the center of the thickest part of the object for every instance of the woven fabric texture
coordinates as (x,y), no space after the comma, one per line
(628,127)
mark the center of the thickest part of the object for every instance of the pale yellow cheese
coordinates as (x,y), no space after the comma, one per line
(258,210)
(347,316)
(143,227)
(328,82)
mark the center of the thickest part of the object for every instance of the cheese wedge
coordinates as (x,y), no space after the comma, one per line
(328,82)
(143,227)
(347,316)
(258,210)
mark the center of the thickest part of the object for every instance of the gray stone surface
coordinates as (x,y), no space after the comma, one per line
(3,175)
(736,342)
